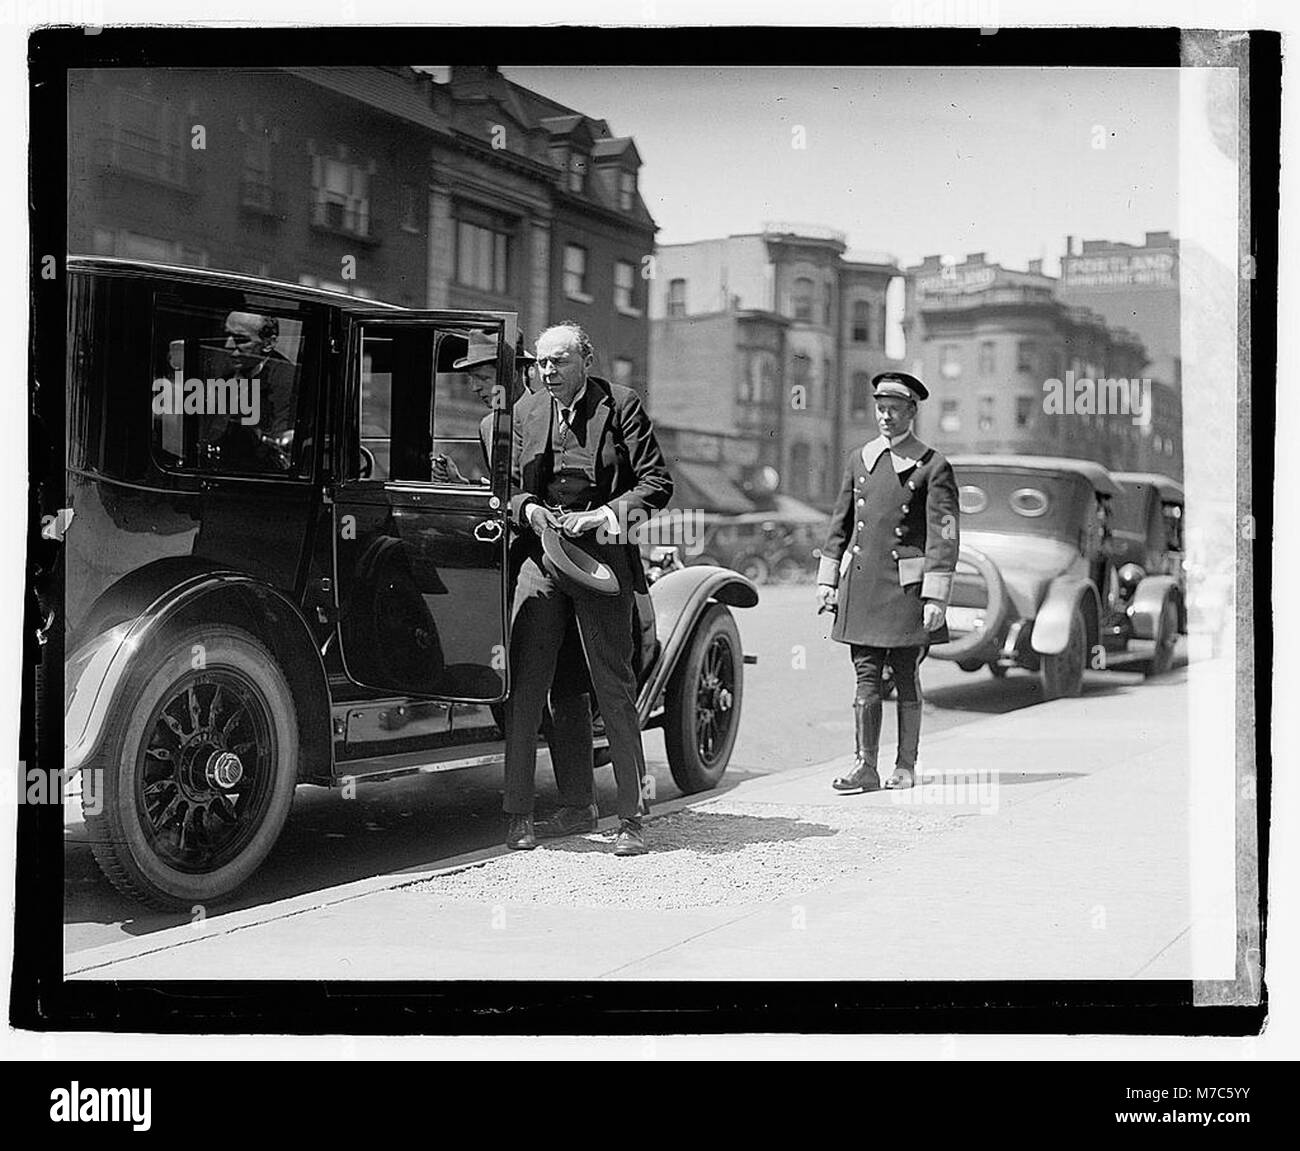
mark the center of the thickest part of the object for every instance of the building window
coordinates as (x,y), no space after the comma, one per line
(341,195)
(803,299)
(860,401)
(409,208)
(986,414)
(861,322)
(482,258)
(950,361)
(1024,410)
(988,357)
(625,287)
(577,172)
(623,369)
(800,377)
(677,297)
(1026,356)
(828,384)
(255,182)
(758,385)
(949,419)
(149,138)
(134,246)
(828,304)
(627,190)
(575,273)
(825,474)
(800,469)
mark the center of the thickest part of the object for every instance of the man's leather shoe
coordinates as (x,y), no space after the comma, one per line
(631,839)
(861,778)
(569,821)
(520,835)
(901,780)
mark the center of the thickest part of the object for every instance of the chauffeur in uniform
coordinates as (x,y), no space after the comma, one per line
(886,571)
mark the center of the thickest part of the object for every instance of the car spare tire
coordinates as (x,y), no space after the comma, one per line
(996,609)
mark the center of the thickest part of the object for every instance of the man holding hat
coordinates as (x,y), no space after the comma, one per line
(585,465)
(886,571)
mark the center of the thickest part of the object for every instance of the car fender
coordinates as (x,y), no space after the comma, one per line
(99,669)
(1148,599)
(679,599)
(1064,595)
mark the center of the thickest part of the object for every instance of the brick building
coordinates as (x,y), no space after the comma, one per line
(756,335)
(376,181)
(989,341)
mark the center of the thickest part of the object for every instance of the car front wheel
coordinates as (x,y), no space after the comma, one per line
(198,768)
(1162,658)
(1063,673)
(702,704)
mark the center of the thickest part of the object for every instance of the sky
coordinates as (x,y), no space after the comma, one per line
(904,160)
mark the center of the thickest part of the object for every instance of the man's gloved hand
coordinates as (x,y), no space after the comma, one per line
(827,598)
(576,523)
(540,518)
(932,615)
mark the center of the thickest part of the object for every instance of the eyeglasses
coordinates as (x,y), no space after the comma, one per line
(554,361)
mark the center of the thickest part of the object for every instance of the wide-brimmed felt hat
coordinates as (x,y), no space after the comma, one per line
(904,385)
(574,568)
(482,349)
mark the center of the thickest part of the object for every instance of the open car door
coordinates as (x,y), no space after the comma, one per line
(421,507)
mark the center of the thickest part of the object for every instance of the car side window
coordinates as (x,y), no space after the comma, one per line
(423,406)
(231,390)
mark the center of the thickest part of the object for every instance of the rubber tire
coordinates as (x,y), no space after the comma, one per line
(996,611)
(1060,675)
(997,671)
(755,568)
(690,772)
(116,837)
(1162,658)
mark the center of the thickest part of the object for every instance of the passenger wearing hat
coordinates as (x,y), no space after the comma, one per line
(886,571)
(585,465)
(480,363)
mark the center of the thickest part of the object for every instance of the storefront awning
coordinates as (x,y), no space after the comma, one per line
(706,487)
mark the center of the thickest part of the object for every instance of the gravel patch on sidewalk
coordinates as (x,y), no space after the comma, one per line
(717,854)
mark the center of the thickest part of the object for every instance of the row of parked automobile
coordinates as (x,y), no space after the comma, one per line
(1063,564)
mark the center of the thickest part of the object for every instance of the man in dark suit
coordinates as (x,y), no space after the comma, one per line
(586,463)
(887,571)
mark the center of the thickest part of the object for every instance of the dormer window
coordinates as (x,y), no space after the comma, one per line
(577,172)
(626,190)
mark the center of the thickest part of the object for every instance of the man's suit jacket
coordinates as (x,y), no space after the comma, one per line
(632,478)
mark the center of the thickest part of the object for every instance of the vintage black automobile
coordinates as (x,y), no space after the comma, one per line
(264,585)
(1060,566)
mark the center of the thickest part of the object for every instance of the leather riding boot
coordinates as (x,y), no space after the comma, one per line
(866,740)
(909,744)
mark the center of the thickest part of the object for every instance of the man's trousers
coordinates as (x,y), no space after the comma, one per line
(541,612)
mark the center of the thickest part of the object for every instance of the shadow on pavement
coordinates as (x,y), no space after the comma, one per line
(704,832)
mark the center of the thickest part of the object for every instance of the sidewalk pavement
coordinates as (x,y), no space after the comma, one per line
(1047,843)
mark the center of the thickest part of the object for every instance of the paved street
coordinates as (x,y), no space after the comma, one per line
(796,714)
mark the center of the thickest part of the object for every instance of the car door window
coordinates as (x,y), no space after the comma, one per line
(425,412)
(232,388)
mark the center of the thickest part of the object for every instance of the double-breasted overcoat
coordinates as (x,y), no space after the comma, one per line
(892,544)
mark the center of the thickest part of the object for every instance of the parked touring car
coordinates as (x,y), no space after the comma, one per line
(1061,564)
(266,589)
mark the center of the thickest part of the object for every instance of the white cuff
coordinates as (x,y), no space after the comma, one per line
(937,586)
(828,571)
